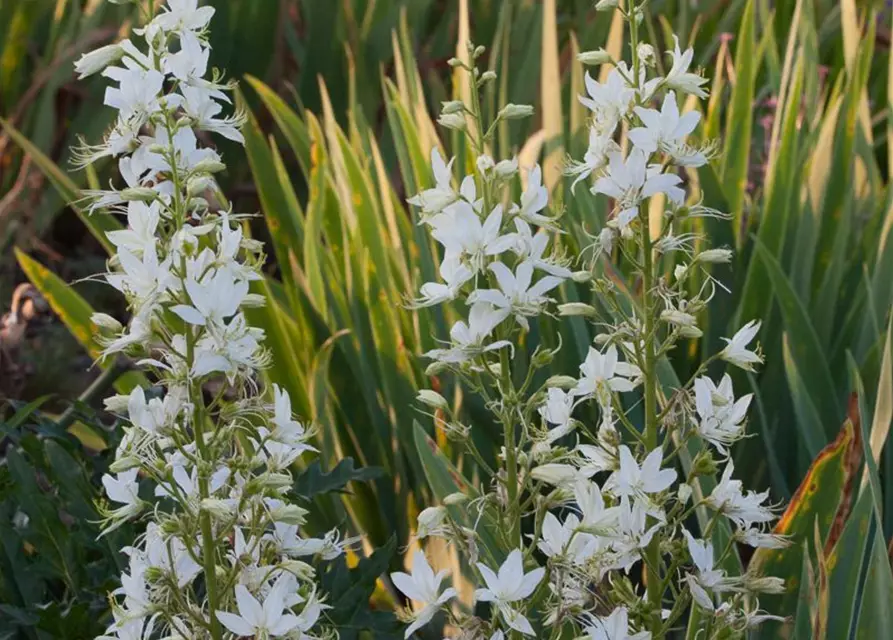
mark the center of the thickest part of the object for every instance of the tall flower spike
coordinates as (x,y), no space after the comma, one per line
(216,554)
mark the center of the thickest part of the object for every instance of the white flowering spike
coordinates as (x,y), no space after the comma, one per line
(218,531)
(596,499)
(422,586)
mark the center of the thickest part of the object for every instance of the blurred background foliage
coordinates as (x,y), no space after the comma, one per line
(341,94)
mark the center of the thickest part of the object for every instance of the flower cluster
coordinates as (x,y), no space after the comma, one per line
(572,516)
(206,461)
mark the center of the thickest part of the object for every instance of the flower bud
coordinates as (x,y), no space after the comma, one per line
(208,165)
(512,111)
(478,51)
(116,403)
(290,514)
(543,358)
(606,5)
(96,61)
(680,271)
(220,509)
(561,382)
(678,318)
(140,194)
(506,168)
(455,499)
(646,54)
(683,494)
(455,62)
(704,464)
(429,521)
(105,321)
(690,332)
(555,474)
(484,163)
(301,570)
(581,276)
(453,121)
(455,431)
(276,481)
(764,584)
(198,185)
(592,58)
(124,463)
(715,256)
(488,76)
(601,339)
(432,399)
(451,107)
(436,368)
(253,301)
(576,309)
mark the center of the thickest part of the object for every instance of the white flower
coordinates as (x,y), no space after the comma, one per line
(602,373)
(613,627)
(534,199)
(510,585)
(633,534)
(200,106)
(679,77)
(721,416)
(516,294)
(144,279)
(756,538)
(142,223)
(129,627)
(286,428)
(430,522)
(460,231)
(440,196)
(169,555)
(423,586)
(530,247)
(631,181)
(454,273)
(706,577)
(137,94)
(744,509)
(262,620)
(609,102)
(596,516)
(635,481)
(184,15)
(123,489)
(213,300)
(565,540)
(557,410)
(736,351)
(600,144)
(666,130)
(468,339)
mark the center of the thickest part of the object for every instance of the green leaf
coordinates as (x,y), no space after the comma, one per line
(75,313)
(806,350)
(739,123)
(820,503)
(314,481)
(99,224)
